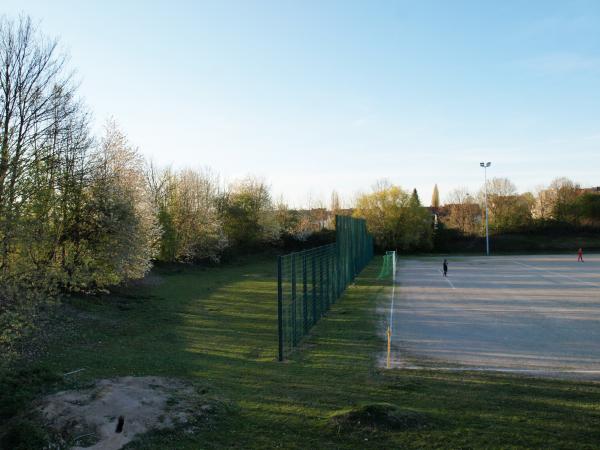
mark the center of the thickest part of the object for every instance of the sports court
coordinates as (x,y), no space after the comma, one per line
(530,314)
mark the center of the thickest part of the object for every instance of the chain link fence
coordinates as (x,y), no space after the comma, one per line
(310,281)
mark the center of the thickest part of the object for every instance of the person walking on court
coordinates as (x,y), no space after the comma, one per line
(445,266)
(580,255)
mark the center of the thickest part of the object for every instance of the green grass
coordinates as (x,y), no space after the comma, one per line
(218,327)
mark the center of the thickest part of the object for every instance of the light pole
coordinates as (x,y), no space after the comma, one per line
(487,236)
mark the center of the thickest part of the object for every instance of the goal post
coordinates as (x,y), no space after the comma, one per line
(388,272)
(388,268)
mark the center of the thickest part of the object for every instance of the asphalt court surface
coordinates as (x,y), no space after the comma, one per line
(532,314)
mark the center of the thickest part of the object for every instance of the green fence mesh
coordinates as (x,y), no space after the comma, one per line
(310,281)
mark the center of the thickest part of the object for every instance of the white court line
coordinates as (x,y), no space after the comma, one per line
(502,369)
(446,278)
(557,274)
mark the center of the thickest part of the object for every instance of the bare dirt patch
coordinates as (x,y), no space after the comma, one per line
(113,412)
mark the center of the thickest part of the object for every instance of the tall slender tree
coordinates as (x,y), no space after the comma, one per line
(414,198)
(435,197)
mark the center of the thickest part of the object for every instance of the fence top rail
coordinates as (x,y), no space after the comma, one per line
(311,251)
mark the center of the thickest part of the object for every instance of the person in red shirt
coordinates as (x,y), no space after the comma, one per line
(580,255)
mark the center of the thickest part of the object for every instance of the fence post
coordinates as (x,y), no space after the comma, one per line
(327,282)
(314,289)
(334,295)
(280,307)
(304,294)
(320,287)
(294,327)
(338,278)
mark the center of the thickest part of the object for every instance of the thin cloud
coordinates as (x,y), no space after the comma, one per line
(561,63)
(555,24)
(360,122)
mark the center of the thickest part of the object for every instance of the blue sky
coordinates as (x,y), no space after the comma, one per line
(323,95)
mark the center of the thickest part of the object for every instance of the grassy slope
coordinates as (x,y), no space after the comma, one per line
(217,326)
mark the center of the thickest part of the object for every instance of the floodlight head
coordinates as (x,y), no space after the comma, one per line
(482,164)
(488,164)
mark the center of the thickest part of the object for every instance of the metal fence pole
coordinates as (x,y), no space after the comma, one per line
(280,307)
(339,278)
(321,287)
(327,282)
(304,294)
(314,289)
(334,295)
(294,328)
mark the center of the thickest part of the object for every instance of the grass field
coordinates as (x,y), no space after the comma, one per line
(218,327)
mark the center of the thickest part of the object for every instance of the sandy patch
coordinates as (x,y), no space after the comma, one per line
(89,418)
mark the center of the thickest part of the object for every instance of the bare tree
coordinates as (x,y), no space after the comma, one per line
(459,195)
(35,95)
(335,204)
(563,193)
(158,181)
(499,187)
(508,210)
(461,211)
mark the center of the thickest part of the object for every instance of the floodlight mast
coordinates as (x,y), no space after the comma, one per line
(487,235)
